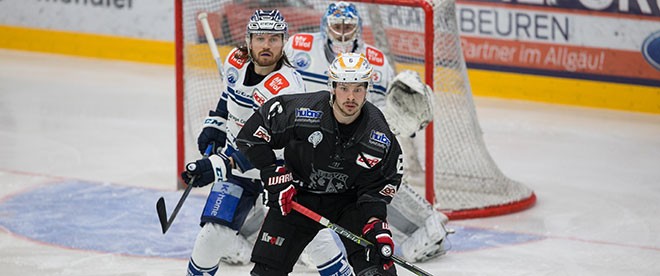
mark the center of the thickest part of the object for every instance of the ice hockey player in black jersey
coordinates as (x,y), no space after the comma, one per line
(341,161)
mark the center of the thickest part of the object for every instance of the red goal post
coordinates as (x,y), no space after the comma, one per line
(458,175)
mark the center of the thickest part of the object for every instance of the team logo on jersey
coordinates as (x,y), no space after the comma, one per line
(379,138)
(388,190)
(331,182)
(236,62)
(232,76)
(258,98)
(315,138)
(275,108)
(274,240)
(367,161)
(302,60)
(276,83)
(262,133)
(377,76)
(375,57)
(302,42)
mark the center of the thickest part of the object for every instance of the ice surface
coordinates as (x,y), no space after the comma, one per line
(87,146)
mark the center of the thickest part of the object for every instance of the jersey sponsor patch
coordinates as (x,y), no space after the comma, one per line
(375,57)
(236,62)
(276,83)
(302,42)
(262,133)
(388,190)
(379,138)
(232,76)
(258,98)
(367,161)
(306,115)
(302,60)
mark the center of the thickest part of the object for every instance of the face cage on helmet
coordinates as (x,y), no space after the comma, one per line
(346,36)
(341,12)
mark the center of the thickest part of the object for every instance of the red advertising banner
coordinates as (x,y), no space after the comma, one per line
(619,42)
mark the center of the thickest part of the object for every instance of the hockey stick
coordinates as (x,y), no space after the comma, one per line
(160,204)
(355,238)
(210,39)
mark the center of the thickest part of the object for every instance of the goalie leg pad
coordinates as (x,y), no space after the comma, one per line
(421,228)
(229,202)
(215,243)
(427,241)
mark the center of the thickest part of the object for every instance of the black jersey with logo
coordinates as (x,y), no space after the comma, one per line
(321,157)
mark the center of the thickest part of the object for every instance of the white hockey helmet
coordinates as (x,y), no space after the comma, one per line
(341,26)
(350,67)
(267,22)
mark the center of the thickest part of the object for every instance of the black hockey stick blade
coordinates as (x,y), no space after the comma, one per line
(162,214)
(160,204)
(353,237)
(165,222)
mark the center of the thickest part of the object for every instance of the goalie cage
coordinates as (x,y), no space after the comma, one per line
(463,180)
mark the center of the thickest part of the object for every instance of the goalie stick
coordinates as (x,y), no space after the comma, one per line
(353,237)
(210,40)
(165,223)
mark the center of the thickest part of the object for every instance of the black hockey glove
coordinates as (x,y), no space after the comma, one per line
(278,182)
(378,233)
(213,131)
(207,170)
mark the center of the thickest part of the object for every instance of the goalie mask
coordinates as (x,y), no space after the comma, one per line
(266,22)
(341,27)
(349,67)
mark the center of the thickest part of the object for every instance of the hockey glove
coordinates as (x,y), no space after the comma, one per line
(378,233)
(207,170)
(213,131)
(278,182)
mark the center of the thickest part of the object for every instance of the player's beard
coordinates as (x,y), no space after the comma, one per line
(349,108)
(266,58)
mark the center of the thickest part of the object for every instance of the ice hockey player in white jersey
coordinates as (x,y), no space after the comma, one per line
(252,75)
(418,229)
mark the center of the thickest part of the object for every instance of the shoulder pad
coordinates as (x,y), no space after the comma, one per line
(374,56)
(302,42)
(234,61)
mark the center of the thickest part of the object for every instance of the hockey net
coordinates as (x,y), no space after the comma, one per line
(463,180)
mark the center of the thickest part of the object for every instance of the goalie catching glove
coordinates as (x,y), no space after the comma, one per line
(207,170)
(278,182)
(378,233)
(409,103)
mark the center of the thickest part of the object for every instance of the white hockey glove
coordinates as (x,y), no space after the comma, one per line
(409,104)
(207,170)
